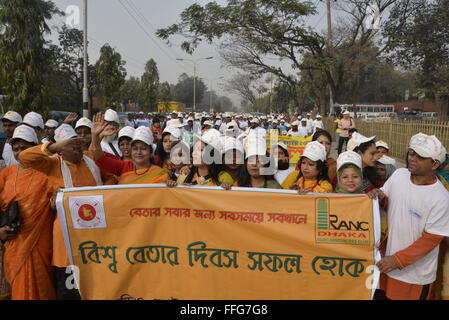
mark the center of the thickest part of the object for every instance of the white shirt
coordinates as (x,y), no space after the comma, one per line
(8,156)
(257,131)
(281,175)
(131,123)
(413,210)
(318,124)
(310,126)
(106,148)
(243,124)
(294,133)
(303,132)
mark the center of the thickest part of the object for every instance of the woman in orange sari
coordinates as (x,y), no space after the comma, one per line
(140,170)
(28,254)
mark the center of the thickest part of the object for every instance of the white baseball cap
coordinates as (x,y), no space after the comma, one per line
(233,144)
(64,132)
(387,160)
(315,151)
(212,137)
(254,120)
(318,116)
(218,123)
(349,157)
(357,139)
(382,144)
(346,112)
(34,119)
(279,144)
(12,116)
(443,155)
(111,116)
(52,123)
(175,123)
(83,122)
(126,132)
(143,134)
(296,123)
(208,123)
(26,133)
(426,146)
(174,131)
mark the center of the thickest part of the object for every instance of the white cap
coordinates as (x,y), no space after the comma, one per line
(255,145)
(318,116)
(357,139)
(233,144)
(218,123)
(443,154)
(208,123)
(275,121)
(303,120)
(190,119)
(126,132)
(387,160)
(175,123)
(212,137)
(254,120)
(52,123)
(296,123)
(25,133)
(279,144)
(64,132)
(349,157)
(426,146)
(382,144)
(12,116)
(143,134)
(111,116)
(34,119)
(83,122)
(141,112)
(346,112)
(174,131)
(315,151)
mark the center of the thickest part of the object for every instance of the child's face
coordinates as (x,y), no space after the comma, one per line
(309,169)
(381,151)
(381,170)
(350,180)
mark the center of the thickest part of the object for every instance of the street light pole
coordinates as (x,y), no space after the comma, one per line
(86,112)
(194,77)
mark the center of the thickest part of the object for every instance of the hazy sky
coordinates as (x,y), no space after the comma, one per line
(109,22)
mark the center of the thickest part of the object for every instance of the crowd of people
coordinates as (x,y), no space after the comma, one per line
(223,150)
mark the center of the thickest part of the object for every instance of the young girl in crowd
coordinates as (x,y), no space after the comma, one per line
(206,163)
(367,150)
(233,159)
(385,167)
(313,176)
(162,153)
(349,173)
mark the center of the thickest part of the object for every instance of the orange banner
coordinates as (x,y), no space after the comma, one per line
(152,242)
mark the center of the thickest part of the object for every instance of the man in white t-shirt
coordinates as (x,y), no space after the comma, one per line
(418,220)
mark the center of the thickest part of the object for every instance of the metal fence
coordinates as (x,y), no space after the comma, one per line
(397,133)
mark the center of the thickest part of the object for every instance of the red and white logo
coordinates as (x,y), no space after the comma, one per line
(87,212)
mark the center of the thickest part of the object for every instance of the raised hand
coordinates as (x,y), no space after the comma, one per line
(98,125)
(68,145)
(71,118)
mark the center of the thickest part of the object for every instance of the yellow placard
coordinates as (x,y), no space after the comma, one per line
(152,242)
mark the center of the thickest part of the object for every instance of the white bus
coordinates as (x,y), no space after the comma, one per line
(369,111)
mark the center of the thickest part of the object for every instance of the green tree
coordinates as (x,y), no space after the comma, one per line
(110,75)
(183,91)
(23,56)
(423,45)
(165,94)
(130,91)
(149,86)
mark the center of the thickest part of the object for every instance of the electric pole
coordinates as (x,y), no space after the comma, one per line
(86,110)
(329,49)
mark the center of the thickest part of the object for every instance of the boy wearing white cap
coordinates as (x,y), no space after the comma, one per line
(418,221)
(10,121)
(109,144)
(71,168)
(49,130)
